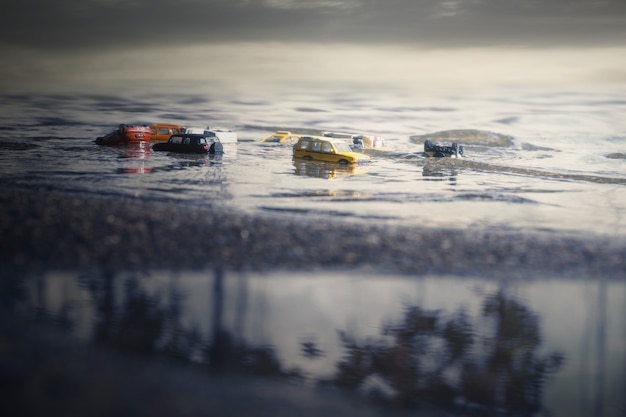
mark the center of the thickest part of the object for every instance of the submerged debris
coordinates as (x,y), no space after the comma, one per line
(439,151)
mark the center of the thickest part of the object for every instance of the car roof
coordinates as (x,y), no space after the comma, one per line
(190,135)
(166,125)
(323,138)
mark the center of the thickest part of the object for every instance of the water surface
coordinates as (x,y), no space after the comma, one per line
(546,160)
(464,345)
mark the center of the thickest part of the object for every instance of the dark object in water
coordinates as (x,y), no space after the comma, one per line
(357,143)
(191,143)
(441,151)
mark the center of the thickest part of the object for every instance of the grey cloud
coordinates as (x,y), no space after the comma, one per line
(86,24)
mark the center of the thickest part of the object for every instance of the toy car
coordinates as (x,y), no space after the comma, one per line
(359,141)
(440,151)
(190,143)
(327,149)
(281,136)
(125,134)
(162,131)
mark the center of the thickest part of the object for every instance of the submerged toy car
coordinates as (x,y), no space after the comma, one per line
(327,149)
(190,143)
(162,131)
(359,141)
(282,136)
(125,134)
(440,151)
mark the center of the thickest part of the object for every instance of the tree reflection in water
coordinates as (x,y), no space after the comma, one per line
(487,364)
(144,325)
(429,359)
(136,326)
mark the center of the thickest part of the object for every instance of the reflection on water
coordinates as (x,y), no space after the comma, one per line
(326,170)
(464,346)
(134,157)
(436,171)
(492,364)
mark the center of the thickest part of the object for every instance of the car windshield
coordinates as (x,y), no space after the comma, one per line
(342,147)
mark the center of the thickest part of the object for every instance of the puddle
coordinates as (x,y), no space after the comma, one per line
(548,345)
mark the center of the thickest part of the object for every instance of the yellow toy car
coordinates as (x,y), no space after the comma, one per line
(282,136)
(320,148)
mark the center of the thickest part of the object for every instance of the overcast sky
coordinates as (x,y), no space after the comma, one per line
(85,43)
(71,24)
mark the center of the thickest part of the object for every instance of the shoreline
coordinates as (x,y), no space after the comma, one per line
(45,230)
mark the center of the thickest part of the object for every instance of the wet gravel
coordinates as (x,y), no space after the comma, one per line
(43,230)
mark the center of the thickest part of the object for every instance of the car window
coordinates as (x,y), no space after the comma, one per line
(176,139)
(202,141)
(304,144)
(186,140)
(342,147)
(163,131)
(328,148)
(316,146)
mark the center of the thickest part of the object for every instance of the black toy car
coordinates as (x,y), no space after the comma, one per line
(441,151)
(190,143)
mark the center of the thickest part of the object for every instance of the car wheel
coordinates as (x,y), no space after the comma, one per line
(344,162)
(216,147)
(307,158)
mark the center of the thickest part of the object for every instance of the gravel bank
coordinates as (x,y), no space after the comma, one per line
(42,229)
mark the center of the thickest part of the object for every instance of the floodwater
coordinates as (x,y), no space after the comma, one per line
(535,161)
(538,161)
